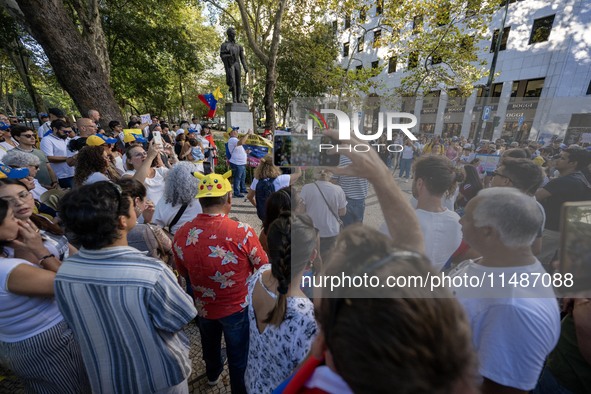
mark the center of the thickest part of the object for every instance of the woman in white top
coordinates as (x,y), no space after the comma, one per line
(92,166)
(35,342)
(148,168)
(180,189)
(281,317)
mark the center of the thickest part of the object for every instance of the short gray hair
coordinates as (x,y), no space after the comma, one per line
(18,158)
(180,186)
(516,216)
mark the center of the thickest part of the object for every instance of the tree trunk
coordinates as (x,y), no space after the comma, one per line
(76,66)
(269,99)
(92,31)
(13,52)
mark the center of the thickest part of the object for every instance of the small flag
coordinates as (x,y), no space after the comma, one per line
(211,101)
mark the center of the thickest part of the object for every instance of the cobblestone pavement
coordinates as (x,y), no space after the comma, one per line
(245,212)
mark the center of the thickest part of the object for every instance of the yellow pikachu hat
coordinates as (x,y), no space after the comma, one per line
(213,185)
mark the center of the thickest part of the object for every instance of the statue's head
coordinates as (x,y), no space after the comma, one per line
(231,32)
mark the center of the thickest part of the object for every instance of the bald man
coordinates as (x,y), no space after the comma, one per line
(86,127)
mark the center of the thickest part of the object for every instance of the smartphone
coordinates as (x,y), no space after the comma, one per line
(296,150)
(575,248)
(158,138)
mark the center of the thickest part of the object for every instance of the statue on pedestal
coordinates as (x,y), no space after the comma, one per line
(232,55)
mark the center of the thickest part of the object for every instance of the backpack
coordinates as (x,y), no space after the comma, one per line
(264,189)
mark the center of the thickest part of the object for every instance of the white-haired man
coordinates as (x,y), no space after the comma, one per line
(515,319)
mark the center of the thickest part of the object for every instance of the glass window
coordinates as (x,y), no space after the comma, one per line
(376,38)
(413,60)
(493,45)
(540,32)
(375,64)
(534,87)
(496,90)
(392,66)
(346,49)
(417,24)
(347,21)
(380,7)
(360,41)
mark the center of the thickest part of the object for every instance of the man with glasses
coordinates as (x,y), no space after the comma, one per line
(25,136)
(55,146)
(571,185)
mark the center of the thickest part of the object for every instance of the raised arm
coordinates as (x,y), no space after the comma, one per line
(399,215)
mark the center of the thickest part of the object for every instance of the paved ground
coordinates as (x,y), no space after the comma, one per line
(245,212)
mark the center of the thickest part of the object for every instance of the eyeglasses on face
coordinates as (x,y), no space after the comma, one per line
(23,196)
(28,135)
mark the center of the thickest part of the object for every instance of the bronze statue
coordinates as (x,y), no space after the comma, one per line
(232,55)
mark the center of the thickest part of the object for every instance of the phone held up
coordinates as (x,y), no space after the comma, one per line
(296,150)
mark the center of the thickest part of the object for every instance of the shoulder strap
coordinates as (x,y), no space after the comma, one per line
(178,215)
(327,204)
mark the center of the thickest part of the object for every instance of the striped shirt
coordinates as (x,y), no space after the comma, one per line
(354,188)
(127,312)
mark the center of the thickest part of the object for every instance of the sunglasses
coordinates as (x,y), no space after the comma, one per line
(28,135)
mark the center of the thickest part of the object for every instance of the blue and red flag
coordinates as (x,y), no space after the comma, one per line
(211,101)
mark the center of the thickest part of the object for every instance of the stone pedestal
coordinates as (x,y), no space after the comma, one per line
(238,115)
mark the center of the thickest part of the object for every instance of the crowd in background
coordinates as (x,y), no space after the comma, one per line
(113,242)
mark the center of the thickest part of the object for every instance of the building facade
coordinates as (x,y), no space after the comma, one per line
(542,84)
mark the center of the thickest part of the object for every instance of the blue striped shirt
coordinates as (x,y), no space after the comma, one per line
(127,312)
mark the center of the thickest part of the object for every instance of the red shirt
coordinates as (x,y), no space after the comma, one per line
(218,254)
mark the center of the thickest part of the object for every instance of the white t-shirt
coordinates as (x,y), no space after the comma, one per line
(442,233)
(21,316)
(95,177)
(154,186)
(237,152)
(54,146)
(165,212)
(279,183)
(319,211)
(514,328)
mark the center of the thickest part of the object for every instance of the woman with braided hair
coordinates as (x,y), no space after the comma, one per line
(281,317)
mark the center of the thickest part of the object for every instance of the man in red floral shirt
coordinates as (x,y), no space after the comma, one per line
(219,254)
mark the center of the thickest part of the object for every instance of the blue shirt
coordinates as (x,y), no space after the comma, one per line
(127,312)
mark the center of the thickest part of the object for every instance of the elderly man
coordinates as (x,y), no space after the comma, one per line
(219,255)
(95,116)
(515,319)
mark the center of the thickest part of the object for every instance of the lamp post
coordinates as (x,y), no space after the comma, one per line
(491,76)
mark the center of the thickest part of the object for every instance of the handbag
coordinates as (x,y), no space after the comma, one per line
(341,224)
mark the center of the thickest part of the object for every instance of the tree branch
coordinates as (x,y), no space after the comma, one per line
(248,30)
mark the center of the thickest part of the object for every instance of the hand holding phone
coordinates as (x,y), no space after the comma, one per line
(158,138)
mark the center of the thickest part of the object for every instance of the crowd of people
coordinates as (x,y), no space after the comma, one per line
(113,243)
